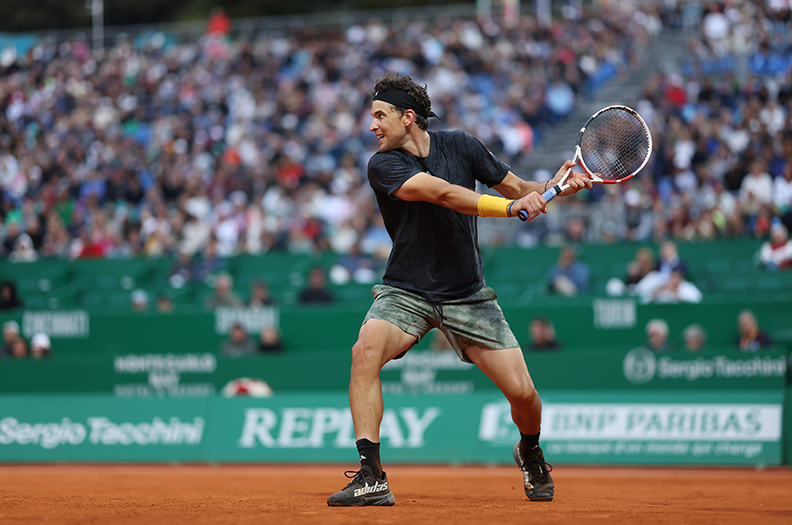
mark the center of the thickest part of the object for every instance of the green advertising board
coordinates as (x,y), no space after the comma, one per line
(101,428)
(424,372)
(701,428)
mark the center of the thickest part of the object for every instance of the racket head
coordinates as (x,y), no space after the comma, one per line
(614,144)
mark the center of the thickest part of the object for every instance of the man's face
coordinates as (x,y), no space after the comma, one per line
(746,322)
(693,342)
(656,338)
(387,124)
(237,333)
(9,335)
(537,331)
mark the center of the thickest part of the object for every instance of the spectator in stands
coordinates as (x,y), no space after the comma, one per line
(776,253)
(560,99)
(10,235)
(316,291)
(675,290)
(716,27)
(270,340)
(238,343)
(669,263)
(759,225)
(223,294)
(575,231)
(569,276)
(675,91)
(642,265)
(164,303)
(195,232)
(219,22)
(216,43)
(782,195)
(260,295)
(40,346)
(180,272)
(756,189)
(209,264)
(657,336)
(543,335)
(19,348)
(670,260)
(139,300)
(10,335)
(356,266)
(23,250)
(8,296)
(694,338)
(638,217)
(752,337)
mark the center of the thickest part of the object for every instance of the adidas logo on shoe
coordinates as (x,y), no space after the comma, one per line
(371,489)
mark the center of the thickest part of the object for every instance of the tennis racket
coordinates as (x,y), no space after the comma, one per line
(613,145)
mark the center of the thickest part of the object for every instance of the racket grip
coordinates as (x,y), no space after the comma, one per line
(548,196)
(551,193)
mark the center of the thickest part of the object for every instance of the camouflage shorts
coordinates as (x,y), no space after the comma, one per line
(476,320)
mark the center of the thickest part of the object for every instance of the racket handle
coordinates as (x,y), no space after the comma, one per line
(548,196)
(551,193)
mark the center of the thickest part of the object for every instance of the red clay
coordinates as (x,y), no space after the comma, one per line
(262,494)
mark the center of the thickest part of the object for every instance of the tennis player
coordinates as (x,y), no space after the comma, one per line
(424,183)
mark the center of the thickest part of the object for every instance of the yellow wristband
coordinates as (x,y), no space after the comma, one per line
(489,206)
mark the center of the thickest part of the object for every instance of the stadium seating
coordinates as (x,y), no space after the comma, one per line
(723,267)
(724,271)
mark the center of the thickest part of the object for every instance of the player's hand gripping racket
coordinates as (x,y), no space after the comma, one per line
(613,145)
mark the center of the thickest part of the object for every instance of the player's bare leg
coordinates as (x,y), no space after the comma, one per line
(508,371)
(378,342)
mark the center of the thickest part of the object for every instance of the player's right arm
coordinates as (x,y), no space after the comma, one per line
(514,187)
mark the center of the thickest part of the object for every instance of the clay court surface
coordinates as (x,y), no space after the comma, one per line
(110,494)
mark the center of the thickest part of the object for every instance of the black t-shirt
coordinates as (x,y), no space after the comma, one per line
(435,250)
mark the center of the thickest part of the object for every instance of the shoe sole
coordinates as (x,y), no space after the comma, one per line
(538,498)
(381,501)
(533,496)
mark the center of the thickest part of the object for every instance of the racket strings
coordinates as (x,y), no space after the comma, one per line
(615,144)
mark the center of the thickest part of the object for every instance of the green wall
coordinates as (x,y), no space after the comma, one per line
(580,322)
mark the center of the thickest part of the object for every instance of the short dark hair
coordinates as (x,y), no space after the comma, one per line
(406,84)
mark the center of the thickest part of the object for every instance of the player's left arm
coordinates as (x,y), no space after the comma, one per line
(425,187)
(513,187)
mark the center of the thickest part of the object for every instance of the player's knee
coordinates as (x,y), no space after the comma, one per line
(365,357)
(525,395)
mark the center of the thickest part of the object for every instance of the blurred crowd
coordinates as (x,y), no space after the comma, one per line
(722,158)
(14,346)
(228,146)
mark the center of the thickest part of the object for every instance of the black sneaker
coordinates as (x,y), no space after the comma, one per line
(538,481)
(364,489)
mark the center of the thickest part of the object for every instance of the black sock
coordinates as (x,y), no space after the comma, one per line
(528,442)
(370,455)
